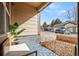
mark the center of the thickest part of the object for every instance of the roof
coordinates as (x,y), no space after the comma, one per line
(63,24)
(57,25)
(72,22)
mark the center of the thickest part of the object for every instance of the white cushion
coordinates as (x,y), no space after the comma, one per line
(19,47)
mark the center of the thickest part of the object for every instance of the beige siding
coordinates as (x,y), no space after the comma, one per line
(69,25)
(30,26)
(26,16)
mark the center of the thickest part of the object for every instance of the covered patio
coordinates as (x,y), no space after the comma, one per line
(26,16)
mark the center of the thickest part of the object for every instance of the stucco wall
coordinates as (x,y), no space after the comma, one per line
(47,36)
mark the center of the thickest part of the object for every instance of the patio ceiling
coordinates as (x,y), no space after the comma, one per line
(34,4)
(39,5)
(23,11)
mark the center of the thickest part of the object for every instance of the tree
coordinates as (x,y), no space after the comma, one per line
(57,21)
(72,14)
(75,15)
(45,25)
(69,15)
(52,23)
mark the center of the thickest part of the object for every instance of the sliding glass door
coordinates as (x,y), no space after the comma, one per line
(4,17)
(1,19)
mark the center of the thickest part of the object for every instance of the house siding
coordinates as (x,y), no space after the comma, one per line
(25,16)
(30,26)
(71,27)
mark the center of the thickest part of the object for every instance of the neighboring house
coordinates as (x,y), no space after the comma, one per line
(57,26)
(69,25)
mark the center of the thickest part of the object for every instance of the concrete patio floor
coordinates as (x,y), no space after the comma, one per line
(33,44)
(42,51)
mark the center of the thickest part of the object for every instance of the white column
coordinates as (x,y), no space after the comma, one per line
(39,15)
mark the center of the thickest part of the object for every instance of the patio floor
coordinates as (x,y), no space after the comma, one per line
(32,43)
(42,51)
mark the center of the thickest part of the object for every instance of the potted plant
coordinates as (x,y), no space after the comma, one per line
(14,32)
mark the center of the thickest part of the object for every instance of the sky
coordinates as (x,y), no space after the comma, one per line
(56,10)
